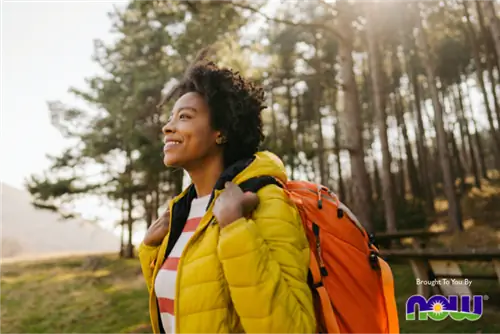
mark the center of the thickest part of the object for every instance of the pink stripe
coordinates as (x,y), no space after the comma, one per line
(192,224)
(171,264)
(166,305)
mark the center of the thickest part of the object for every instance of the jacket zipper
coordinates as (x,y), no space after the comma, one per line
(203,225)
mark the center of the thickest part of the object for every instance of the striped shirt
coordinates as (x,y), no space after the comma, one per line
(166,278)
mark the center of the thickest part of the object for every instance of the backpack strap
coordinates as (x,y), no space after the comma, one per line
(388,289)
(254,184)
(327,313)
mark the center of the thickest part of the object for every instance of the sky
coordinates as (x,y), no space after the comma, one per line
(46,49)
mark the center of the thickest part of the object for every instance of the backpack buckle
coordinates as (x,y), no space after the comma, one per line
(320,199)
(373,259)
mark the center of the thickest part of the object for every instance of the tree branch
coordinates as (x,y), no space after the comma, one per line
(324,27)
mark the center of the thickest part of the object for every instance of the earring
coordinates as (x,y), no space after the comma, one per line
(220,140)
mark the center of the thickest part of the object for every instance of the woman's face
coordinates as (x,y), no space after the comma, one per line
(189,137)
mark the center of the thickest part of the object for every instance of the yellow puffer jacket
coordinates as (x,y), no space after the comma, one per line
(250,276)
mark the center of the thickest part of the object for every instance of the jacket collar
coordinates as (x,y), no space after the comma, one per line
(229,174)
(182,204)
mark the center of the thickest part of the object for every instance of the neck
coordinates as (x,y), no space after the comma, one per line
(206,174)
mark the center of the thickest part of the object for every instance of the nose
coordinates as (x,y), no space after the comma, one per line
(168,128)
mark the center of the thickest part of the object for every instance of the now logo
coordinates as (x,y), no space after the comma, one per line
(439,307)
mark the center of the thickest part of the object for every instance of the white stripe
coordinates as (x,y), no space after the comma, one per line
(165,281)
(168,322)
(181,242)
(165,284)
(198,207)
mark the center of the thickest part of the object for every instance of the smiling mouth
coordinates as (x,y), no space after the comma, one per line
(171,144)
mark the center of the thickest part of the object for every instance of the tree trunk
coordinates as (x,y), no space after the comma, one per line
(122,232)
(291,137)
(459,163)
(459,169)
(477,137)
(494,25)
(148,207)
(401,169)
(299,131)
(479,72)
(410,162)
(361,204)
(318,96)
(157,202)
(435,174)
(380,116)
(422,150)
(274,135)
(129,253)
(462,128)
(467,136)
(454,211)
(489,60)
(341,188)
(377,182)
(491,46)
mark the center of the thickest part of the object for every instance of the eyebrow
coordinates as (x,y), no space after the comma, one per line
(182,108)
(186,108)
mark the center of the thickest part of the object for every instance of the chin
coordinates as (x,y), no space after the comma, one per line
(171,160)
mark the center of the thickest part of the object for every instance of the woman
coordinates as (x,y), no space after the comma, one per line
(220,260)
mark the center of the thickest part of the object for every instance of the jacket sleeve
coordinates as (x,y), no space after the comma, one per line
(265,262)
(147,256)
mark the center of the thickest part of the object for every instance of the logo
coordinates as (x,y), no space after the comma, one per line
(439,307)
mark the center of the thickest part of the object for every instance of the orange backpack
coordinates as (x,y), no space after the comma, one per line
(353,287)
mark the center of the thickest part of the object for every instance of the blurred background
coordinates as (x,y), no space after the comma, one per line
(394,105)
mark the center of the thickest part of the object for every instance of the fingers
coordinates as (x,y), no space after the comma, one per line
(250,201)
(250,197)
(231,186)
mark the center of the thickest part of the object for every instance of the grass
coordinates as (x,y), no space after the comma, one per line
(107,295)
(104,295)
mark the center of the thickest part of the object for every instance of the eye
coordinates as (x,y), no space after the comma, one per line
(184,116)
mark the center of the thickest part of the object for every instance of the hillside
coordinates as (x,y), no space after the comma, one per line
(27,231)
(107,295)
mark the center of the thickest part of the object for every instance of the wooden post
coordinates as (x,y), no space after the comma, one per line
(444,268)
(496,265)
(421,271)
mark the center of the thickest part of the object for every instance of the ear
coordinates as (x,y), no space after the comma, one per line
(220,138)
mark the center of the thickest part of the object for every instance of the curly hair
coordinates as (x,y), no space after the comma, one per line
(235,105)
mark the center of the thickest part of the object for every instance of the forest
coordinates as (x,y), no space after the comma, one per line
(393,105)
